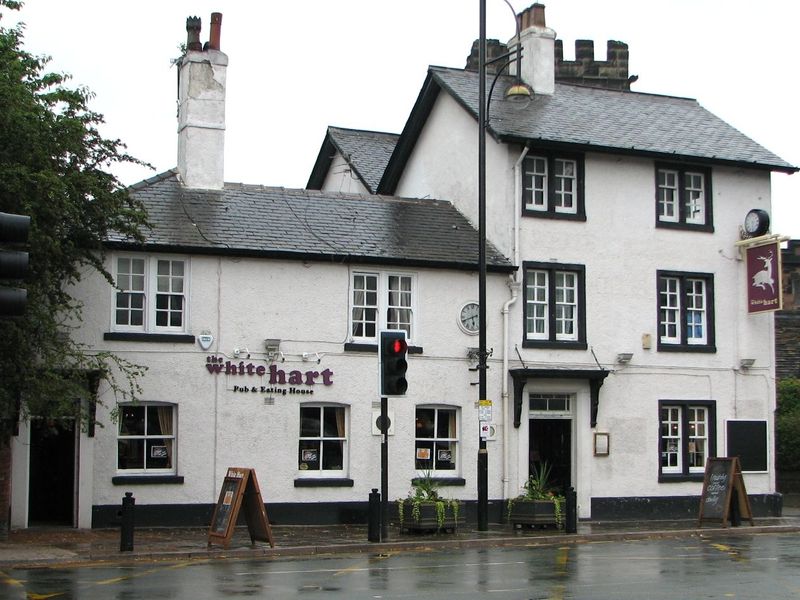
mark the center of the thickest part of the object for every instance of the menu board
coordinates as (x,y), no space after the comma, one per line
(723,489)
(239,490)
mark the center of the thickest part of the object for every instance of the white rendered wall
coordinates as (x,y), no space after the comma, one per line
(340,178)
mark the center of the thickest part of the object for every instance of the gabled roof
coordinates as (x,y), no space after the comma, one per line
(275,222)
(367,153)
(590,119)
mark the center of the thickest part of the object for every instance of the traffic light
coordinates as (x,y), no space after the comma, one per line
(13,264)
(392,354)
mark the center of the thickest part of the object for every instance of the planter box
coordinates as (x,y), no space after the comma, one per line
(535,513)
(428,520)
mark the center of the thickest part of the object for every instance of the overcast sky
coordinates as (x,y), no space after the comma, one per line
(298,66)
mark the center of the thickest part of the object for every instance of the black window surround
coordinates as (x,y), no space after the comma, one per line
(373,348)
(551,212)
(685,405)
(683,346)
(580,271)
(323,482)
(682,221)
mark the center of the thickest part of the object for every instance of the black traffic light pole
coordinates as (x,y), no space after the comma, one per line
(392,363)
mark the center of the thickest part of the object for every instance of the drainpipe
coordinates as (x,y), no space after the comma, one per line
(514,285)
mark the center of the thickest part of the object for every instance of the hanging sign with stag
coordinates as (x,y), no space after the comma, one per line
(764,291)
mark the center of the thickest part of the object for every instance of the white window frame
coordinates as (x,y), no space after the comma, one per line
(565,194)
(554,303)
(694,189)
(534,178)
(321,438)
(687,435)
(668,196)
(394,309)
(453,442)
(146,436)
(149,288)
(683,197)
(685,311)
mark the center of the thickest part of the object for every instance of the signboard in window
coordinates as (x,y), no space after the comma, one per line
(308,456)
(423,453)
(444,456)
(158,452)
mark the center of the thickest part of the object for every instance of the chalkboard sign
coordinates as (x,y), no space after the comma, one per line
(723,489)
(748,441)
(239,490)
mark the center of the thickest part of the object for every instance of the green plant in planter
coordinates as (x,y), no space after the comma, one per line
(539,488)
(425,490)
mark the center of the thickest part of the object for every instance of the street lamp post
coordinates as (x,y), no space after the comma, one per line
(483,454)
(520,94)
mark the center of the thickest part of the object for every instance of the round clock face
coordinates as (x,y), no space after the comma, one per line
(469,317)
(756,222)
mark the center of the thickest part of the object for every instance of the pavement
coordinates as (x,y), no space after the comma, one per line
(51,547)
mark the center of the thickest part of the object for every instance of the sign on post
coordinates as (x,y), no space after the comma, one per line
(239,490)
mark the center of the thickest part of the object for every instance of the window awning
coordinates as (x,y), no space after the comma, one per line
(595,377)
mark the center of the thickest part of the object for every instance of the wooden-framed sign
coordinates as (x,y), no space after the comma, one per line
(239,490)
(723,490)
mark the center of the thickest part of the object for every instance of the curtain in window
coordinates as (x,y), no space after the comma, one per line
(340,422)
(165,421)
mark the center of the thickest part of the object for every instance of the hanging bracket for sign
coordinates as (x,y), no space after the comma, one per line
(724,495)
(239,490)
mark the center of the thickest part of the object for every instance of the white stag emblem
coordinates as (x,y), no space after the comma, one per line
(763,278)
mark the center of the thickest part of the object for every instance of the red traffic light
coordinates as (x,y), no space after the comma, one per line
(397,346)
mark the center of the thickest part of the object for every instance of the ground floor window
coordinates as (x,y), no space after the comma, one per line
(687,438)
(436,442)
(323,439)
(146,438)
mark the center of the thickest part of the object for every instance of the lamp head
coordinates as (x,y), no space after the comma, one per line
(519,94)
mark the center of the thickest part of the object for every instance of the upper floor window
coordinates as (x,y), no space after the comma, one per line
(381,301)
(552,186)
(151,294)
(687,438)
(436,445)
(686,311)
(555,305)
(683,197)
(146,438)
(322,448)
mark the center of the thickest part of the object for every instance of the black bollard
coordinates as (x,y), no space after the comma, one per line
(126,528)
(571,509)
(374,526)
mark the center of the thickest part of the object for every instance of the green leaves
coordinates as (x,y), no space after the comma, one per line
(54,167)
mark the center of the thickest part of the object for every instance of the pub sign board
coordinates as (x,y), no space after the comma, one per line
(763,278)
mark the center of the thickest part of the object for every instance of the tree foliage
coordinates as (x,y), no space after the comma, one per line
(787,425)
(54,167)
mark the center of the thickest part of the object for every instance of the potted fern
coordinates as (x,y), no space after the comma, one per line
(539,505)
(425,510)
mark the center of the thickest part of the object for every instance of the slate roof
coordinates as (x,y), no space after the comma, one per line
(367,153)
(588,118)
(275,222)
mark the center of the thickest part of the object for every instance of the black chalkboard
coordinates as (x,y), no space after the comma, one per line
(239,490)
(748,441)
(723,489)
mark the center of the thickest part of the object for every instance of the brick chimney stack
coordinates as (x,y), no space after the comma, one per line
(538,50)
(201,108)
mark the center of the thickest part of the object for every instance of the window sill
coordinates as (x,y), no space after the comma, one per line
(542,214)
(554,344)
(323,482)
(442,481)
(373,348)
(679,477)
(135,336)
(146,479)
(686,348)
(684,226)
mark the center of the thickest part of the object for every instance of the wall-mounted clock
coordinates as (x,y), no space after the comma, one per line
(756,222)
(469,318)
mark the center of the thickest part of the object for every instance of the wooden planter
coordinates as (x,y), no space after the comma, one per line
(535,513)
(428,519)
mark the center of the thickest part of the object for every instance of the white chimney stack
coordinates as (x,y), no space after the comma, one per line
(538,50)
(201,108)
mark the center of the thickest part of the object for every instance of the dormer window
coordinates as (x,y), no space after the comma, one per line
(552,186)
